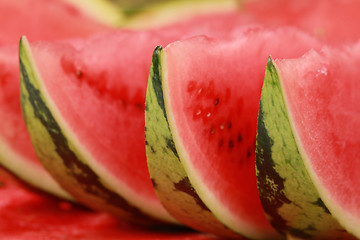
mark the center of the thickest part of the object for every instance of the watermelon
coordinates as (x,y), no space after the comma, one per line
(50,20)
(29,214)
(16,151)
(87,110)
(200,125)
(307,168)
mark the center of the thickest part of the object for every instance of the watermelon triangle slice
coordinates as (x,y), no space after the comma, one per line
(312,160)
(50,20)
(201,110)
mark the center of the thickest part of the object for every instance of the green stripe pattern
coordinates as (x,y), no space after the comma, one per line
(290,200)
(167,173)
(59,154)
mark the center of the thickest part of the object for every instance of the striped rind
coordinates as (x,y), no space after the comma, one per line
(60,154)
(288,195)
(30,172)
(166,170)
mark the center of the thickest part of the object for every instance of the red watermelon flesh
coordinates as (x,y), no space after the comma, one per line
(16,151)
(335,22)
(211,94)
(49,20)
(45,20)
(27,214)
(322,95)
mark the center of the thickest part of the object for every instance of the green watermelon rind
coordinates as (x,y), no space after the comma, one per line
(30,172)
(290,199)
(65,158)
(169,178)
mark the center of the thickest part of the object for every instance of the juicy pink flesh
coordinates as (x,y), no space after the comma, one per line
(214,92)
(335,22)
(43,20)
(12,128)
(322,92)
(100,92)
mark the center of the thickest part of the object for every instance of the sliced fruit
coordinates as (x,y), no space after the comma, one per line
(47,20)
(16,151)
(200,123)
(308,144)
(84,116)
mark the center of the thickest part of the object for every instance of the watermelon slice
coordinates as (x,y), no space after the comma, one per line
(91,135)
(51,20)
(308,167)
(201,109)
(16,151)
(26,214)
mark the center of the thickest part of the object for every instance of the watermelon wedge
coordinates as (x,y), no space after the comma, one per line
(308,167)
(200,124)
(90,136)
(16,151)
(26,214)
(48,20)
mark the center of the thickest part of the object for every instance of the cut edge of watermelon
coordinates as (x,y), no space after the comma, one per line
(281,173)
(226,216)
(152,208)
(346,220)
(30,172)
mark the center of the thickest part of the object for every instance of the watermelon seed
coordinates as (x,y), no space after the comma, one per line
(231,144)
(79,73)
(248,153)
(239,138)
(140,106)
(217,100)
(230,125)
(222,127)
(212,131)
(208,115)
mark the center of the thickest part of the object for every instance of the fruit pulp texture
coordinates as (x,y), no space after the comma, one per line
(321,91)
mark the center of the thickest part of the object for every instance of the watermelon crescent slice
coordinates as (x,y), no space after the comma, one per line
(308,142)
(57,91)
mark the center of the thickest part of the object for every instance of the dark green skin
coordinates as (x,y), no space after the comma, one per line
(290,199)
(166,170)
(60,156)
